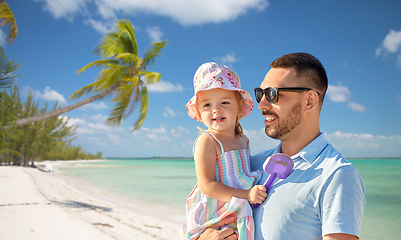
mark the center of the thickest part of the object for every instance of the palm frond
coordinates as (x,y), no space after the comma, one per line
(83,91)
(7,18)
(128,57)
(123,71)
(153,52)
(128,35)
(111,76)
(122,102)
(122,40)
(143,108)
(107,78)
(109,46)
(98,63)
(151,77)
(6,72)
(130,80)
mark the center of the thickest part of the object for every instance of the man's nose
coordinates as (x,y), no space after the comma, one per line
(264,104)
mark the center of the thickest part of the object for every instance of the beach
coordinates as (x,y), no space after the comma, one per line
(42,205)
(145,199)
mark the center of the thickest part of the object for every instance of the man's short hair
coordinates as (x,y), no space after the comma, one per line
(307,67)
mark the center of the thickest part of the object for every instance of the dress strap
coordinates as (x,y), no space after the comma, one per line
(212,135)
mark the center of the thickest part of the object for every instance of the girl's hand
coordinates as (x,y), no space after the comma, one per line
(257,194)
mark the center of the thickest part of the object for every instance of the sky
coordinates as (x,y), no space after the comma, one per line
(358,42)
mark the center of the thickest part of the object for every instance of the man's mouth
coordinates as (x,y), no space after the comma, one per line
(270,119)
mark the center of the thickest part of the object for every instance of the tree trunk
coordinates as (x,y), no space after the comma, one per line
(57,112)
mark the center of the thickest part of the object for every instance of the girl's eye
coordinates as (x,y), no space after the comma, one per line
(206,105)
(225,103)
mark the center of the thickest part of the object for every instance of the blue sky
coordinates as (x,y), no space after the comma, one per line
(358,42)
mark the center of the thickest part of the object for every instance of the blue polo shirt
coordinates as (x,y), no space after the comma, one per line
(323,194)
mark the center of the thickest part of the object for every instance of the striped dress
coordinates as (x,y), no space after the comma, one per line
(232,169)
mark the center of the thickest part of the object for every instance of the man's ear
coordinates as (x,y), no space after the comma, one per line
(312,100)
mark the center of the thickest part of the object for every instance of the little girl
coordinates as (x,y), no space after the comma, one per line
(221,153)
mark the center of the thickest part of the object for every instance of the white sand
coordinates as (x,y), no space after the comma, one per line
(40,205)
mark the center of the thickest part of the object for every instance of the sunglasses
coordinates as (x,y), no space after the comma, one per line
(271,93)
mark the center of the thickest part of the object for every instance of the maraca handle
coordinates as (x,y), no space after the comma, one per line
(267,185)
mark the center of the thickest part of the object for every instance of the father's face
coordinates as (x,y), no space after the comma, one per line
(283,116)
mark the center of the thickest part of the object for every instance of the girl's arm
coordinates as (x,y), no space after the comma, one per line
(205,163)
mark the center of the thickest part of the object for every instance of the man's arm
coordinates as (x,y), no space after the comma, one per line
(342,204)
(213,232)
(340,236)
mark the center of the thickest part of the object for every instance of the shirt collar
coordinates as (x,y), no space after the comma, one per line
(311,151)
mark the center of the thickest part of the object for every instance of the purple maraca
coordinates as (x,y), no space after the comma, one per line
(279,165)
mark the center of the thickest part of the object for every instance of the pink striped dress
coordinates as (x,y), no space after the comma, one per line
(232,169)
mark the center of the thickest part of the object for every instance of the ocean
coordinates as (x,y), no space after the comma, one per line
(162,186)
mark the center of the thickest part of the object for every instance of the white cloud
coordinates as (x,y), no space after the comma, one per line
(48,94)
(73,121)
(168,112)
(391,45)
(343,94)
(154,34)
(101,27)
(365,144)
(114,138)
(179,132)
(164,86)
(392,42)
(227,59)
(160,130)
(64,9)
(88,127)
(100,118)
(356,107)
(338,93)
(194,12)
(94,106)
(364,136)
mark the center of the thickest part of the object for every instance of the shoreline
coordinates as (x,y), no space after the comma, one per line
(161,212)
(43,205)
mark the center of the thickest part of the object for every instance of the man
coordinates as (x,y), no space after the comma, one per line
(323,197)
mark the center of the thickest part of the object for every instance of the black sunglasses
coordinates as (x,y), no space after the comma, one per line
(271,93)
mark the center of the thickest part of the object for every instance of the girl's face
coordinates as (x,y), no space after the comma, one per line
(219,109)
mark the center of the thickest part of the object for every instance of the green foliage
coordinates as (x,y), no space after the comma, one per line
(49,139)
(7,18)
(124,72)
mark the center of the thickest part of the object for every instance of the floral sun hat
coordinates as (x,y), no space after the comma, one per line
(212,76)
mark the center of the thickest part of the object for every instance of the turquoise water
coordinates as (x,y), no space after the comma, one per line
(160,182)
(382,216)
(168,182)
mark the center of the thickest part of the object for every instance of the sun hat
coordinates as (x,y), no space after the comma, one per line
(213,76)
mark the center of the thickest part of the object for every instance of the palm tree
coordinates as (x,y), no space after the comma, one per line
(7,108)
(6,67)
(7,18)
(124,75)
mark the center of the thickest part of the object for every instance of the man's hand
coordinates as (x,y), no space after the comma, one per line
(257,194)
(340,236)
(214,232)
